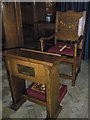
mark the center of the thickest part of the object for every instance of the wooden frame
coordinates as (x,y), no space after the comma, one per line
(67,30)
(46,66)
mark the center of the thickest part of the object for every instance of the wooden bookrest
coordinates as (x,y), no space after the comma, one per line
(40,67)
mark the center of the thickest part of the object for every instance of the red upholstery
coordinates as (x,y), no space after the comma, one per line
(35,91)
(69,50)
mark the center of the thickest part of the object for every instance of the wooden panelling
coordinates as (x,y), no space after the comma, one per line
(13,36)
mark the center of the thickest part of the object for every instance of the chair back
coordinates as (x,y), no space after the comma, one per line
(69,25)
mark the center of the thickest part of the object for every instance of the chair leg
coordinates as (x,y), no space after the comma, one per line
(74,72)
(79,62)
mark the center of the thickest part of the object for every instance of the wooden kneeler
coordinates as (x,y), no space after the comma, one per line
(37,91)
(38,67)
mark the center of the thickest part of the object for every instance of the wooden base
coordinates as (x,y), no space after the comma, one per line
(16,106)
(27,97)
(56,113)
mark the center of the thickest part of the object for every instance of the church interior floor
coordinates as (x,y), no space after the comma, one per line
(75,102)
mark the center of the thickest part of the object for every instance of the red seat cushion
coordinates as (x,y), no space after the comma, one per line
(68,49)
(35,91)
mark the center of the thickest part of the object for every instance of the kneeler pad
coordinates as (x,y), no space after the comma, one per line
(37,91)
(63,49)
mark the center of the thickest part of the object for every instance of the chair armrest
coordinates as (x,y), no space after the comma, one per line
(79,40)
(77,44)
(47,38)
(42,39)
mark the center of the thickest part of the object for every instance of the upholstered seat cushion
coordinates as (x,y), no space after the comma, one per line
(37,91)
(63,49)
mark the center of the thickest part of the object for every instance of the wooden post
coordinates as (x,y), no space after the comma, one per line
(17,87)
(52,91)
(41,45)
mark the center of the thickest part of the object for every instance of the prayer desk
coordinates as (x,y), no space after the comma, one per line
(41,67)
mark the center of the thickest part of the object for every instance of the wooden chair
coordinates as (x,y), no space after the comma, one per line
(68,37)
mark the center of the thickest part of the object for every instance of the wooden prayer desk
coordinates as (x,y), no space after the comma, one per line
(43,68)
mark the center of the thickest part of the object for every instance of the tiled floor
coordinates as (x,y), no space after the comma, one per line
(75,102)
